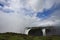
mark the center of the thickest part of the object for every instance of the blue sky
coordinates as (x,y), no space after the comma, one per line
(15,15)
(47,12)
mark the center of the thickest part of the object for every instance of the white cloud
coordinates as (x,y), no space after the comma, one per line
(16,21)
(37,5)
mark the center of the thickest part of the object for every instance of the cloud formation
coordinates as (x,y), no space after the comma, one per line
(23,13)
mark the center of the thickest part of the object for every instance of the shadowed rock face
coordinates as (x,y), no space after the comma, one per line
(39,32)
(49,31)
(35,32)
